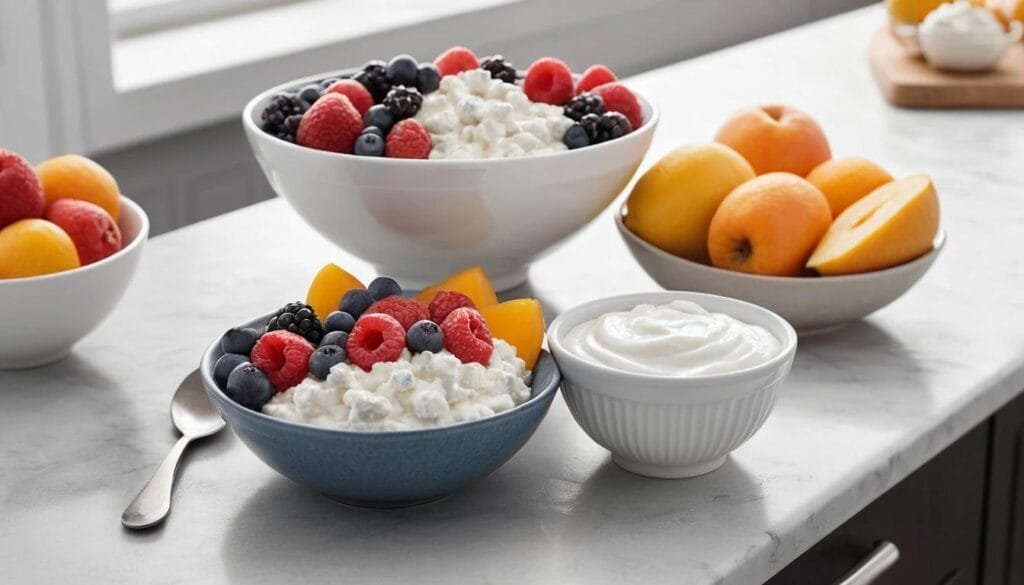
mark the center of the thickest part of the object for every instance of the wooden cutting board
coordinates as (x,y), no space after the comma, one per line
(910,82)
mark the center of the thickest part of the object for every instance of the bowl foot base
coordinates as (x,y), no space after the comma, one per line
(668,471)
(33,362)
(501,281)
(386,505)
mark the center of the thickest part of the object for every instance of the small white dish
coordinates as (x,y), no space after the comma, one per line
(967,52)
(665,426)
(44,316)
(812,304)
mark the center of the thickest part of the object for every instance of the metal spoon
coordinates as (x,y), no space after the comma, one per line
(194,415)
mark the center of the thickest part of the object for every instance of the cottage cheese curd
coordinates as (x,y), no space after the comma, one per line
(474,116)
(677,339)
(414,392)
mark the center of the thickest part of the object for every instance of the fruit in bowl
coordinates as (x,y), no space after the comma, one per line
(385,401)
(516,161)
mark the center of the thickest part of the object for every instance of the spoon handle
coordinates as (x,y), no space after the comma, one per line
(151,506)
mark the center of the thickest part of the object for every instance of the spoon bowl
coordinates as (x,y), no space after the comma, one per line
(191,410)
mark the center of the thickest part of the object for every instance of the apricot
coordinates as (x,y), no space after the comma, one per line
(769,225)
(672,204)
(472,282)
(1007,10)
(776,138)
(914,11)
(73,176)
(329,285)
(521,324)
(845,180)
(33,247)
(894,224)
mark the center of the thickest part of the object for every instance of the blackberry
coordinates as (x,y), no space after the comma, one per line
(374,78)
(590,123)
(297,318)
(499,68)
(281,107)
(583,104)
(403,101)
(613,125)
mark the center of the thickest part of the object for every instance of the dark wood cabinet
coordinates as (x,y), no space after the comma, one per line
(1004,532)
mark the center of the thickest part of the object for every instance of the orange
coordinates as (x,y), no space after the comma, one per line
(472,282)
(32,247)
(73,176)
(521,324)
(776,138)
(845,180)
(328,286)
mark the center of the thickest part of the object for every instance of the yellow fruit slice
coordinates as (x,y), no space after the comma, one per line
(893,224)
(328,286)
(471,282)
(521,324)
(33,247)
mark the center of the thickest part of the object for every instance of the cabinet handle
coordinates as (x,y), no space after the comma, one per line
(879,561)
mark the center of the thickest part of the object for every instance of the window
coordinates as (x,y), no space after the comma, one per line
(135,17)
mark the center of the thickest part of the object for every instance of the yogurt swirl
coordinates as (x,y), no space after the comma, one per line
(679,339)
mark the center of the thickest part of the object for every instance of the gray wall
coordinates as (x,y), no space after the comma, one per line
(200,174)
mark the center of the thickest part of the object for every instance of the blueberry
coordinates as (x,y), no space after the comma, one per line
(248,386)
(339,321)
(383,286)
(323,359)
(225,365)
(428,78)
(328,82)
(339,338)
(379,116)
(424,336)
(373,130)
(369,144)
(576,137)
(355,302)
(402,70)
(239,340)
(310,93)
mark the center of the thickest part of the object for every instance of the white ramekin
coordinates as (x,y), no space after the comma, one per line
(953,51)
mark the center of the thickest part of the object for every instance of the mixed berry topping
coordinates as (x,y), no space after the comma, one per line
(297,318)
(499,68)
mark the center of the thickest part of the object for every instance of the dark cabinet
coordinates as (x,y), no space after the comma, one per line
(1004,533)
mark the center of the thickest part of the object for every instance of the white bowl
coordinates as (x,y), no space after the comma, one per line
(44,316)
(420,220)
(811,304)
(951,51)
(670,427)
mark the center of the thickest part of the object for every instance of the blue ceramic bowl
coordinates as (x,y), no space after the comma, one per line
(386,469)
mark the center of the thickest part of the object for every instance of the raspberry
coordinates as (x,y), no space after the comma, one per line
(456,60)
(375,338)
(594,76)
(355,92)
(283,356)
(467,337)
(618,98)
(405,311)
(548,81)
(332,124)
(21,195)
(407,139)
(446,301)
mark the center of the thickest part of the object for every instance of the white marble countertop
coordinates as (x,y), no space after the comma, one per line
(863,408)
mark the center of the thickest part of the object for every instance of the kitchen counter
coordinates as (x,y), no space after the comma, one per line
(864,407)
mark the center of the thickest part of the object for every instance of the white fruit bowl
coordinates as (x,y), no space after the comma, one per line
(44,316)
(811,304)
(420,220)
(663,426)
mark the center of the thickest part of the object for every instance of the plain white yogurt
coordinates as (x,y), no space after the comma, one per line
(677,339)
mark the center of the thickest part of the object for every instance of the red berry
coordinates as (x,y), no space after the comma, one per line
(456,60)
(446,301)
(355,92)
(375,338)
(618,98)
(283,356)
(21,195)
(594,76)
(91,228)
(466,335)
(548,81)
(407,139)
(405,311)
(333,124)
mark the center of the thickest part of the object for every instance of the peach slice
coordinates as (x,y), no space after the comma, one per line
(521,324)
(471,282)
(328,286)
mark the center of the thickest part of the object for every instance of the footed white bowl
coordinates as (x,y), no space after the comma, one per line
(420,220)
(662,426)
(44,316)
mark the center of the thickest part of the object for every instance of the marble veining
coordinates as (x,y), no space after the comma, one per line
(863,408)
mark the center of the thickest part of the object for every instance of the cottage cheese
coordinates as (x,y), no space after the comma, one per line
(414,392)
(474,116)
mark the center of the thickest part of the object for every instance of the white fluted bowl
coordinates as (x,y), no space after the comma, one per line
(670,427)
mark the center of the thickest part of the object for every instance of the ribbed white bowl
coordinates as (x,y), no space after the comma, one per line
(663,426)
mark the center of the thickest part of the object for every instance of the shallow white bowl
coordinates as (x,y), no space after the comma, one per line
(670,427)
(810,304)
(951,51)
(420,220)
(44,316)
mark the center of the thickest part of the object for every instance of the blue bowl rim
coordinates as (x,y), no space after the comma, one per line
(218,395)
